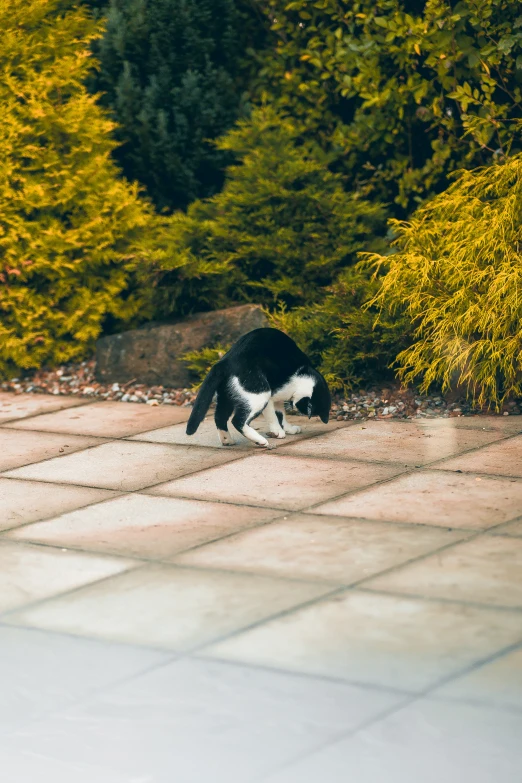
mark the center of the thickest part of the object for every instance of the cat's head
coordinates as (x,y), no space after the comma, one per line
(319,403)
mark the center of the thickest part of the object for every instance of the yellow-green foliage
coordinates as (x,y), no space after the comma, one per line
(69,226)
(343,338)
(457,276)
(201,361)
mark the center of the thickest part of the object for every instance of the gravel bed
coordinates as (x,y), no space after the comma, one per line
(391,402)
(79,379)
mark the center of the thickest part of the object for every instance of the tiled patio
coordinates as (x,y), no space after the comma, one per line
(344,608)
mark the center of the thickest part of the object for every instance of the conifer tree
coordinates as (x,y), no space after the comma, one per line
(69,226)
(280,230)
(174,74)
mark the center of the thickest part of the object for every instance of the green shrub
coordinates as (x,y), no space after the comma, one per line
(69,227)
(345,339)
(457,277)
(200,362)
(174,74)
(281,229)
(402,92)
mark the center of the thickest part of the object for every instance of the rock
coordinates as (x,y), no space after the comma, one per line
(151,355)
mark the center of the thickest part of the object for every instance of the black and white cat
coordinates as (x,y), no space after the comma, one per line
(263,370)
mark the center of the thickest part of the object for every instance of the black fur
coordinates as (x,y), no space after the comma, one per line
(264,362)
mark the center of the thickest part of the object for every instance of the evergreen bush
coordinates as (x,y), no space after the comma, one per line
(175,74)
(280,230)
(457,278)
(402,92)
(70,228)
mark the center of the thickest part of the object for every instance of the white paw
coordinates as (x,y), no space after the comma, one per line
(225,438)
(293,429)
(264,444)
(279,434)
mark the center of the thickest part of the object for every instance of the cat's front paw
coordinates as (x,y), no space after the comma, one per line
(263,444)
(292,429)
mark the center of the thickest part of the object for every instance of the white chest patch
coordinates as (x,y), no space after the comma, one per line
(298,386)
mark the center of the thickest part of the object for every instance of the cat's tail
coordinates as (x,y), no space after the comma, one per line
(204,398)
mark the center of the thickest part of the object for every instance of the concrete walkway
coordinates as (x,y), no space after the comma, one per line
(344,608)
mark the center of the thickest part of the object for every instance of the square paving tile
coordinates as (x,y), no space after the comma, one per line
(43,672)
(207,434)
(381,639)
(144,525)
(31,573)
(124,465)
(503,458)
(435,498)
(487,569)
(22,447)
(393,441)
(192,722)
(277,482)
(18,406)
(427,741)
(107,419)
(317,547)
(29,501)
(498,682)
(168,607)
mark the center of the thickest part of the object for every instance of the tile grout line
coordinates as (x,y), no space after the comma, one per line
(374,720)
(470,535)
(125,493)
(71,591)
(424,466)
(98,690)
(341,589)
(432,599)
(135,437)
(408,471)
(47,413)
(371,686)
(358,584)
(53,517)
(481,474)
(242,529)
(390,479)
(306,509)
(110,489)
(144,561)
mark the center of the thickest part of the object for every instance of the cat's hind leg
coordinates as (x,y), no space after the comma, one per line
(224,410)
